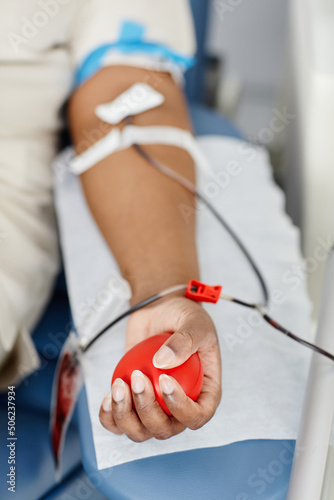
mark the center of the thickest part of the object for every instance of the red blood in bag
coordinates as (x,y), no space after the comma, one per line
(189,375)
(68,385)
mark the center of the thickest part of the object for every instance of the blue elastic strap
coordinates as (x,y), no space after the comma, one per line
(130,41)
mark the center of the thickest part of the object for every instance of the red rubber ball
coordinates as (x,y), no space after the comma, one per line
(189,375)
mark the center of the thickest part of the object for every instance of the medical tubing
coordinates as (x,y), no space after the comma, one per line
(258,307)
(277,326)
(190,186)
(119,318)
(133,309)
(292,336)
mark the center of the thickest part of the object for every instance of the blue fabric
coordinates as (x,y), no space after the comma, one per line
(35,470)
(243,471)
(77,486)
(195,76)
(206,122)
(131,41)
(34,393)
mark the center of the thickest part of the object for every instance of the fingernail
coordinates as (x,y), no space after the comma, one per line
(167,384)
(106,403)
(118,390)
(137,382)
(163,357)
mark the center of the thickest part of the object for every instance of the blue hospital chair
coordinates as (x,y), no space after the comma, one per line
(241,471)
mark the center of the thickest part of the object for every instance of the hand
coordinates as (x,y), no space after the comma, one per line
(194,331)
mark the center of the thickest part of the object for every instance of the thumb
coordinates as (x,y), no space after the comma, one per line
(177,349)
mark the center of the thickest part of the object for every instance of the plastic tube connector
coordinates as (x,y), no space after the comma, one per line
(200,292)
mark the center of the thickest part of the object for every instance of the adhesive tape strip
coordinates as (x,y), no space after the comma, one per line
(117,140)
(138,98)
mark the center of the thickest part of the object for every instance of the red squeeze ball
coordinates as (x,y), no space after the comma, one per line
(189,375)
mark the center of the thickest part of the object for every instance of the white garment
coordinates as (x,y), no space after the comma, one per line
(42,43)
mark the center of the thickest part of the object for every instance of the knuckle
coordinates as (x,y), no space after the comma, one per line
(212,405)
(120,413)
(108,425)
(103,419)
(140,438)
(197,423)
(163,434)
(187,340)
(178,404)
(142,406)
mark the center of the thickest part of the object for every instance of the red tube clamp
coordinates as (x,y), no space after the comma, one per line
(203,293)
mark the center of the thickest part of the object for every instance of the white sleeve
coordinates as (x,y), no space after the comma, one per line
(131,28)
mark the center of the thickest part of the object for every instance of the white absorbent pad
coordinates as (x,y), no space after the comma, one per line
(264,372)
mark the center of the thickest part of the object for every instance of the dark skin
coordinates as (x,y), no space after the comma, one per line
(138,212)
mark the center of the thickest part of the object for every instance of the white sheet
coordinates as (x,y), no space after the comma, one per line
(263,372)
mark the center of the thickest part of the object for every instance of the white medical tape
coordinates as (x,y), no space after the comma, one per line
(136,99)
(117,139)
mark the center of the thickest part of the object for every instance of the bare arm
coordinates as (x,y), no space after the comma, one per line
(136,207)
(138,211)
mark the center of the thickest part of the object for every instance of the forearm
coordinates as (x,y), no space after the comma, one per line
(138,209)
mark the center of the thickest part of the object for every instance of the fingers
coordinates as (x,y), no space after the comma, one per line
(106,417)
(124,414)
(118,415)
(196,330)
(186,411)
(143,422)
(148,419)
(160,425)
(134,411)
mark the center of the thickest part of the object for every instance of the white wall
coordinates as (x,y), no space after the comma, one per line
(251,35)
